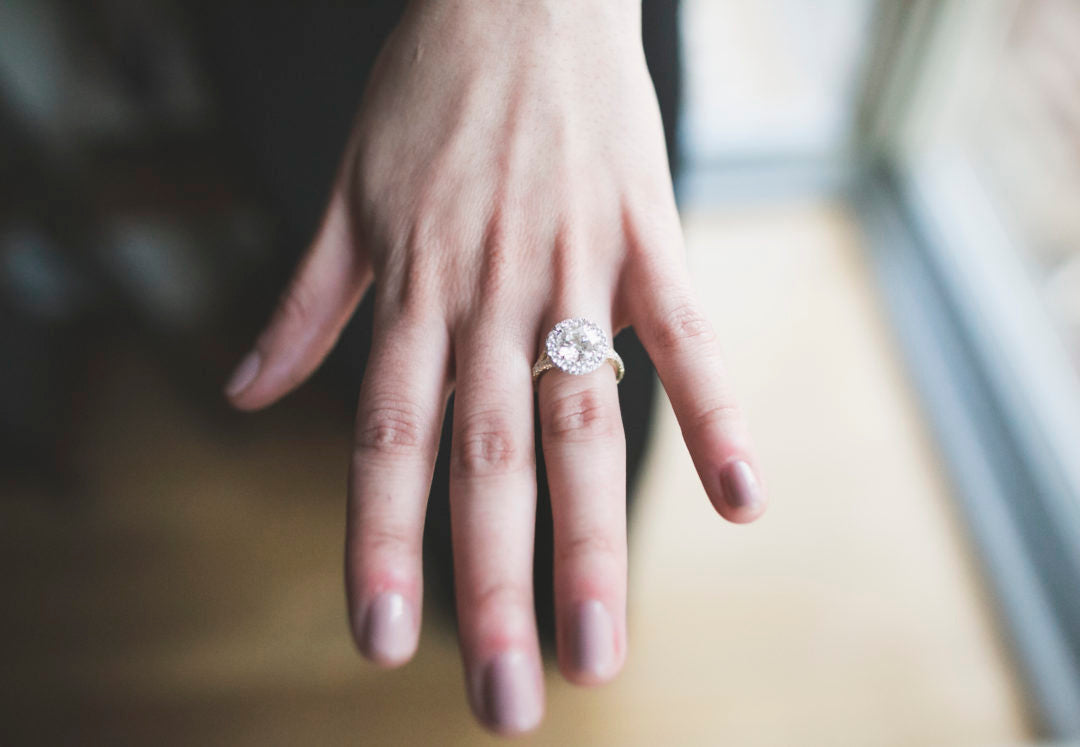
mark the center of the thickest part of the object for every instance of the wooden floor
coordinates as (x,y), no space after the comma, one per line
(194,595)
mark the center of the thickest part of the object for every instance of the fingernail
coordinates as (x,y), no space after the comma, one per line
(244,374)
(592,644)
(741,488)
(511,700)
(389,633)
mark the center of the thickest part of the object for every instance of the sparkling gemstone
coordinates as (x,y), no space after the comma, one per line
(577,346)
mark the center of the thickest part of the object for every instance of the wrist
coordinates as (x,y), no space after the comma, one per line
(608,16)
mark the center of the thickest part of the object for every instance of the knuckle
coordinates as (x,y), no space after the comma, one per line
(713,416)
(652,221)
(485,444)
(421,280)
(389,426)
(387,540)
(587,546)
(489,599)
(682,325)
(580,416)
(298,304)
(414,309)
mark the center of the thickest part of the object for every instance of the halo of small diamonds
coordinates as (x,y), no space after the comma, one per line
(577,346)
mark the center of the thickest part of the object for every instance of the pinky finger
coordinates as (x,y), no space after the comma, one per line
(683,346)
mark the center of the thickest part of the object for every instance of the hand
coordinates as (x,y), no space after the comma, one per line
(507,170)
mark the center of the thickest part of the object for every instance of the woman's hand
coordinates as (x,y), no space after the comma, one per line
(507,171)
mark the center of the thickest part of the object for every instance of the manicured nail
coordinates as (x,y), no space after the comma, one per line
(741,488)
(511,701)
(389,633)
(592,642)
(244,374)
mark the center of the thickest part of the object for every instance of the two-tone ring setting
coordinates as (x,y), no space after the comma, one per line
(577,346)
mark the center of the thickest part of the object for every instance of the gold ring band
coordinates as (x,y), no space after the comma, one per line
(545,364)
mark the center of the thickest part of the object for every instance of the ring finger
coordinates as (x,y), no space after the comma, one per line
(585,454)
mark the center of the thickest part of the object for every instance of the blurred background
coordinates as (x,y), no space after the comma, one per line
(880,199)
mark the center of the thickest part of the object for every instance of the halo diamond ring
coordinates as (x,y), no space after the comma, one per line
(577,346)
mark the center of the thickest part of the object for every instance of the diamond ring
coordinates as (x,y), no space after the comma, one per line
(577,346)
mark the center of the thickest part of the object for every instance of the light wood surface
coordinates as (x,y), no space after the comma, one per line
(195,596)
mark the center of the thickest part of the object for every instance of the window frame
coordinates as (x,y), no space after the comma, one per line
(999,388)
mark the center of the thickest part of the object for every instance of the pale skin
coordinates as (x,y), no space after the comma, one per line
(506,171)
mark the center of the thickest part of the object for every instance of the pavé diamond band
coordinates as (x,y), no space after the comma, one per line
(577,346)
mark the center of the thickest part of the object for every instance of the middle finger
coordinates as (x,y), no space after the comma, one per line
(492,513)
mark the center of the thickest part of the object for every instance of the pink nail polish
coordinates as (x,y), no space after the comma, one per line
(244,374)
(512,701)
(592,642)
(389,633)
(741,489)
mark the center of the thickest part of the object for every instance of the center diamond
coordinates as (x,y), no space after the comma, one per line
(577,346)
